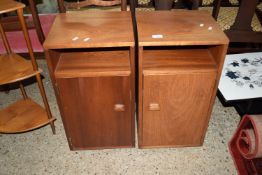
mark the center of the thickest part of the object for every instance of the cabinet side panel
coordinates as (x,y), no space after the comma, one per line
(89,111)
(175,108)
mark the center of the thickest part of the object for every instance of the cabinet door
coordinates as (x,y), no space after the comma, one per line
(175,108)
(96,111)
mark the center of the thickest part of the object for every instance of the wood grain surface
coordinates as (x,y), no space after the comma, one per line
(181,59)
(14,68)
(88,64)
(9,6)
(181,54)
(90,57)
(89,112)
(182,101)
(180,27)
(99,29)
(24,115)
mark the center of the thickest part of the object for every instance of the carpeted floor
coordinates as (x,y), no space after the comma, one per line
(41,152)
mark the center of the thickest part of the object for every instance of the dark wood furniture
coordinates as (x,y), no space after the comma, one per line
(181,55)
(77,4)
(91,62)
(241,31)
(225,3)
(190,4)
(24,115)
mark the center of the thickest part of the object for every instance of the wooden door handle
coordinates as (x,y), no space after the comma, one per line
(154,107)
(119,107)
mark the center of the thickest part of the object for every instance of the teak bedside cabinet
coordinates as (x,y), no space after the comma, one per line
(90,57)
(181,55)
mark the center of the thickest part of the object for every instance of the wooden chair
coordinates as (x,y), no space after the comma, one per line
(241,32)
(84,3)
(12,23)
(25,114)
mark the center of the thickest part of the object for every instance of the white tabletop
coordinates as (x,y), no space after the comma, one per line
(242,76)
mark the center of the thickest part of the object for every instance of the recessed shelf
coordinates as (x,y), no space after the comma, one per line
(165,60)
(15,68)
(93,63)
(22,116)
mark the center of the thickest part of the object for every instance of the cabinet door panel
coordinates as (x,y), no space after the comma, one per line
(175,108)
(96,111)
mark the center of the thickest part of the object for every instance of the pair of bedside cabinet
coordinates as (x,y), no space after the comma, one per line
(92,63)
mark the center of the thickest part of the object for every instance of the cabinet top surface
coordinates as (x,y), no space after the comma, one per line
(180,27)
(90,29)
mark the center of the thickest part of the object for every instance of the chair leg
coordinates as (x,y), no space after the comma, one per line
(61,6)
(123,5)
(36,20)
(23,90)
(216,8)
(47,107)
(195,5)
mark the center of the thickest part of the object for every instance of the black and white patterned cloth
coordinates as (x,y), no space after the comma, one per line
(242,76)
